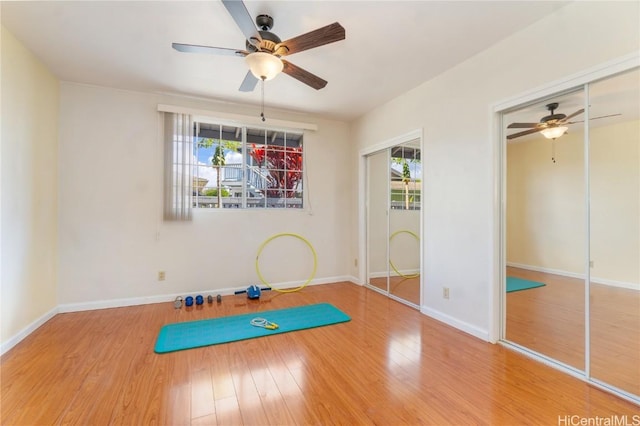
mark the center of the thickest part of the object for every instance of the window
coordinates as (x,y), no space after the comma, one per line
(406,176)
(245,167)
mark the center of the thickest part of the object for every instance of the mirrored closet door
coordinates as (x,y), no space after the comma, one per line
(377,220)
(545,231)
(614,232)
(393,240)
(572,231)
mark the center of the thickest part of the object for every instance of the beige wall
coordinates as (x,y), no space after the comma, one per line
(113,241)
(545,203)
(615,203)
(546,208)
(29,187)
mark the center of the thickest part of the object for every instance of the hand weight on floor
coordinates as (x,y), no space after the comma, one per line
(199,300)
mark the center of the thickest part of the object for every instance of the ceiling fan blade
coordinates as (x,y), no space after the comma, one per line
(595,118)
(249,82)
(526,132)
(192,48)
(325,35)
(240,14)
(303,76)
(522,125)
(568,117)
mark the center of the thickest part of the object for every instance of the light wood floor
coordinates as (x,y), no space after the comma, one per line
(389,365)
(551,321)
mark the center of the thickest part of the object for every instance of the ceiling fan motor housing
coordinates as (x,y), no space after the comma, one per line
(264,22)
(268,44)
(552,117)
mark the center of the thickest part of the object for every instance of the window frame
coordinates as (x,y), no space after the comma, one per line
(244,150)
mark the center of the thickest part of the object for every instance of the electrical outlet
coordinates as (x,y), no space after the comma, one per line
(161,276)
(445,292)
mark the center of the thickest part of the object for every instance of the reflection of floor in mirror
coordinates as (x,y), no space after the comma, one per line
(550,320)
(404,288)
(380,283)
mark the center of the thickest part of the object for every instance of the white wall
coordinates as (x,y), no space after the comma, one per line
(459,155)
(30,98)
(113,241)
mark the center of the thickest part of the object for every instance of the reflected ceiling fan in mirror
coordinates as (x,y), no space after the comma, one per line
(551,126)
(264,50)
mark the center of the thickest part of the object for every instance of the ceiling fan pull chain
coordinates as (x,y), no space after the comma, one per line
(262,111)
(553,150)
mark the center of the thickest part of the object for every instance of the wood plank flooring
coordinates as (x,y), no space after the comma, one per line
(389,365)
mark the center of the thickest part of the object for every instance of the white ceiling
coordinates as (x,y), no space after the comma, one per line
(390,46)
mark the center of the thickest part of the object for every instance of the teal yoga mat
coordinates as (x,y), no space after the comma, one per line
(213,331)
(517,284)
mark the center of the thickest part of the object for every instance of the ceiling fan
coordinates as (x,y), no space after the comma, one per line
(552,126)
(264,50)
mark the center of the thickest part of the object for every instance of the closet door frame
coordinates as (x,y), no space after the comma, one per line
(363,206)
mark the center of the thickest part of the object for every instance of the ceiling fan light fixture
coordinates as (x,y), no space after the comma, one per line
(554,132)
(264,66)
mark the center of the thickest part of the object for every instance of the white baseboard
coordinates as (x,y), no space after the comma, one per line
(355,280)
(404,272)
(596,280)
(612,283)
(115,303)
(456,323)
(22,334)
(327,280)
(378,274)
(546,270)
(119,303)
(393,273)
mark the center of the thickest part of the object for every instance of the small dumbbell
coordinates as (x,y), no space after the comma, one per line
(219,299)
(177,303)
(199,300)
(188,301)
(209,299)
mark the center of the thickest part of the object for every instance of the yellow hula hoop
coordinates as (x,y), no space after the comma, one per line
(286,234)
(391,263)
